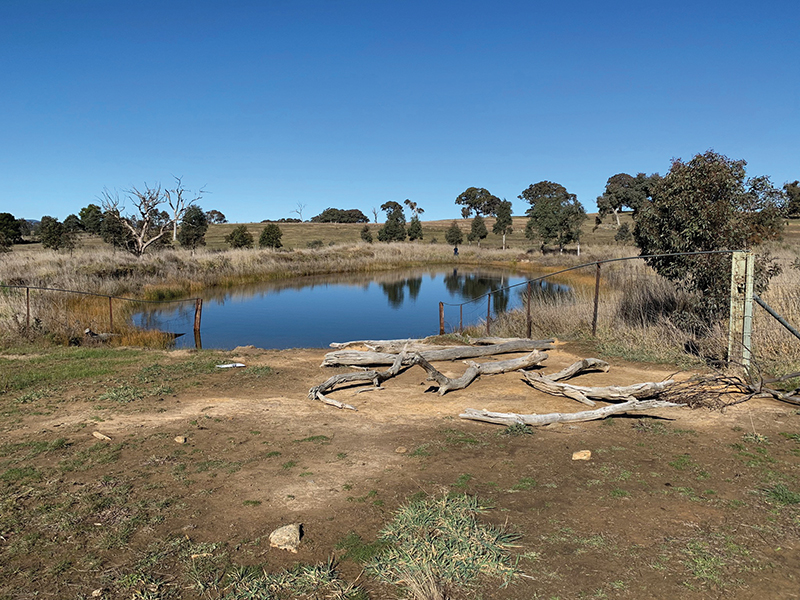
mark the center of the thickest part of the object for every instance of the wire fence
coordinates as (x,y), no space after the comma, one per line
(72,315)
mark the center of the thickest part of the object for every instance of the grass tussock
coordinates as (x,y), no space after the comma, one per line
(435,545)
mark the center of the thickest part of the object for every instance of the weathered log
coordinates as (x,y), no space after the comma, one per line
(547,419)
(355,358)
(576,368)
(584,394)
(376,378)
(474,370)
(390,346)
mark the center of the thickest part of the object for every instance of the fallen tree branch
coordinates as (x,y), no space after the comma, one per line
(356,358)
(475,370)
(582,366)
(584,394)
(376,378)
(547,419)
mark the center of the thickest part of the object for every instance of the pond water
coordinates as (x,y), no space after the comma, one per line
(311,312)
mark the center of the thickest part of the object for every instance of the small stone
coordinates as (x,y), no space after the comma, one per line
(101,436)
(97,593)
(582,455)
(286,537)
(181,439)
(401,449)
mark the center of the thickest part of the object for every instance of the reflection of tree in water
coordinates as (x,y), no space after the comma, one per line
(475,285)
(395,290)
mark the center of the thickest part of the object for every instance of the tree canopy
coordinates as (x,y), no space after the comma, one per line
(338,215)
(707,204)
(194,225)
(477,200)
(555,215)
(792,191)
(625,191)
(478,230)
(503,222)
(394,230)
(453,235)
(239,237)
(270,237)
(10,229)
(91,217)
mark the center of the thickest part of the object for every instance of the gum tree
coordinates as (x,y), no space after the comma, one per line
(708,204)
(555,215)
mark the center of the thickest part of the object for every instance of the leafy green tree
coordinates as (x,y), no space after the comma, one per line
(625,191)
(91,217)
(51,231)
(10,229)
(270,237)
(214,216)
(366,234)
(415,229)
(73,223)
(477,200)
(394,229)
(708,204)
(112,231)
(503,220)
(555,215)
(453,235)
(339,215)
(624,234)
(792,191)
(239,237)
(478,230)
(194,225)
(5,243)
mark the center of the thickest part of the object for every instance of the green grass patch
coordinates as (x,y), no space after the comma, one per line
(782,495)
(437,543)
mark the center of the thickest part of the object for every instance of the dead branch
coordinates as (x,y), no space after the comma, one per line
(475,370)
(584,394)
(356,358)
(374,377)
(582,366)
(547,419)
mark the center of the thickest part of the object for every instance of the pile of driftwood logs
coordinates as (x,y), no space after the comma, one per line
(711,391)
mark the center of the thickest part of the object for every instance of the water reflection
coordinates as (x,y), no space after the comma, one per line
(314,311)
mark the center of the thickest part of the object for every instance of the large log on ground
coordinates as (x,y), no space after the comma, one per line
(547,419)
(584,394)
(475,370)
(365,359)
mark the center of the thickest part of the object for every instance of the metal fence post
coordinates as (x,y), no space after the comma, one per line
(460,318)
(28,310)
(110,316)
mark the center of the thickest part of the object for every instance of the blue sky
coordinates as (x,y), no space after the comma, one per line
(349,104)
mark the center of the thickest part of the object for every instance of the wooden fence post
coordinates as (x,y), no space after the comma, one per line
(441,318)
(198,312)
(529,320)
(596,300)
(488,311)
(28,310)
(740,325)
(110,316)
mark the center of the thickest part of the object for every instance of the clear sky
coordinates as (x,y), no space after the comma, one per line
(273,103)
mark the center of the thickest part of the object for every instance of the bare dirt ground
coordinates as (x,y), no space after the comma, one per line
(675,503)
